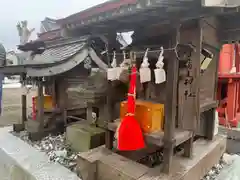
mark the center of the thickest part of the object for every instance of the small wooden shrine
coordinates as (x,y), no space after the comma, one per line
(177,112)
(63,68)
(190,36)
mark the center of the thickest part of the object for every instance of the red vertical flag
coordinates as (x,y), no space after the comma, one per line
(130,136)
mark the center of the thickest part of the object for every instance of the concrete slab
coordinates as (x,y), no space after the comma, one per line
(205,155)
(20,161)
(233,139)
(83,137)
(109,165)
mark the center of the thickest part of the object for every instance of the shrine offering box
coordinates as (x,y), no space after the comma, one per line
(150,115)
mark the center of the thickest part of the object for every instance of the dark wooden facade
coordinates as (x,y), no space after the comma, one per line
(64,69)
(189,95)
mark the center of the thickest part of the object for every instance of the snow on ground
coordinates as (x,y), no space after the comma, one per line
(12,85)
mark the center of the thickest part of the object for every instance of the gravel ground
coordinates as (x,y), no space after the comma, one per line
(58,151)
(55,148)
(214,172)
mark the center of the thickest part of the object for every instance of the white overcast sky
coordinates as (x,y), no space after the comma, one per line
(12,11)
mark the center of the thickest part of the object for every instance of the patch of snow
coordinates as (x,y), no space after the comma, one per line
(10,81)
(12,85)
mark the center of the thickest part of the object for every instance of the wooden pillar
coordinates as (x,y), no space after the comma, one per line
(24,108)
(195,86)
(21,126)
(210,115)
(54,94)
(40,105)
(170,108)
(109,135)
(89,112)
(24,103)
(210,38)
(62,86)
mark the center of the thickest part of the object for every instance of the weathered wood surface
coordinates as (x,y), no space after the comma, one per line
(170,109)
(156,138)
(188,94)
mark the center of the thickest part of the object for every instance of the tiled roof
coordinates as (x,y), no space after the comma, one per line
(50,35)
(57,53)
(50,24)
(59,56)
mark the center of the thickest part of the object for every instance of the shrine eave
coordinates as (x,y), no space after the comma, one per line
(130,16)
(124,8)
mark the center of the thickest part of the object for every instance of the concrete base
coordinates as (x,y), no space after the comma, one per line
(18,127)
(35,133)
(102,164)
(233,139)
(83,137)
(20,161)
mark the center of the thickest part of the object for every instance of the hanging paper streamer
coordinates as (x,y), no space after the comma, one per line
(113,71)
(160,74)
(145,72)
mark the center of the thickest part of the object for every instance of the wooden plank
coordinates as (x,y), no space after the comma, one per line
(111,167)
(156,138)
(207,105)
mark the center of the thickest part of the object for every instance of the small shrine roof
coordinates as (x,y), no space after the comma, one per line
(59,56)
